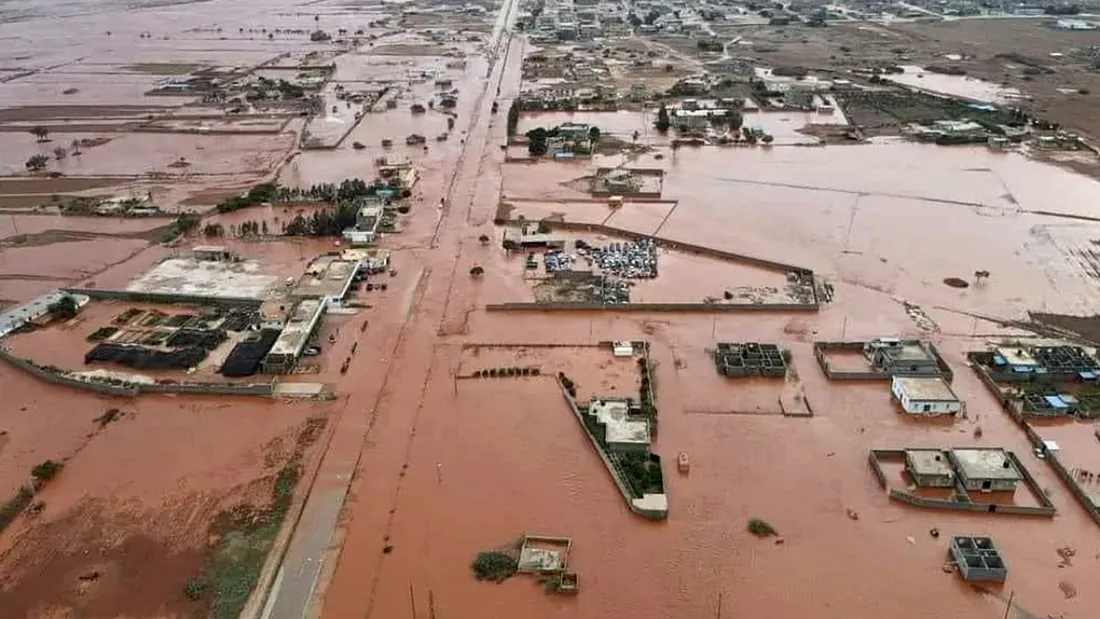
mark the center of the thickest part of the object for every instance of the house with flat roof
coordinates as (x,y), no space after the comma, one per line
(622,431)
(213,253)
(294,337)
(897,356)
(985,469)
(328,278)
(925,395)
(930,468)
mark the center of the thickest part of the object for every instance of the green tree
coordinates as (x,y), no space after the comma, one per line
(62,309)
(37,163)
(536,141)
(46,470)
(663,122)
(594,134)
(735,120)
(40,133)
(477,271)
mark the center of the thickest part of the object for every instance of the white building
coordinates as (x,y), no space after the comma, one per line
(925,395)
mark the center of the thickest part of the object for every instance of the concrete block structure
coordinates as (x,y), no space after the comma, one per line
(978,559)
(985,469)
(750,359)
(925,395)
(930,468)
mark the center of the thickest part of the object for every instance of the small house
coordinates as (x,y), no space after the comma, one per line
(986,469)
(929,468)
(920,395)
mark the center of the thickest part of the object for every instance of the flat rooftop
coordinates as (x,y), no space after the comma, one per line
(928,462)
(1016,356)
(613,414)
(292,338)
(993,463)
(326,276)
(931,388)
(910,352)
(205,278)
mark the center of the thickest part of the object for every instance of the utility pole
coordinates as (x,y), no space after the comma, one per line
(412,600)
(1008,606)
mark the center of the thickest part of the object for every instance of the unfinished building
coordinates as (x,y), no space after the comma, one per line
(750,359)
(978,559)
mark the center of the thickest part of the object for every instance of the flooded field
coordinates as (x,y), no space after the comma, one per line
(421,467)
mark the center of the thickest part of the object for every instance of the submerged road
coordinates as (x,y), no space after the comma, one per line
(298,588)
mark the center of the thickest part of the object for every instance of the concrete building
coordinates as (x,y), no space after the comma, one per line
(978,559)
(214,253)
(294,337)
(1074,24)
(275,312)
(622,432)
(921,395)
(328,278)
(985,469)
(367,221)
(930,468)
(897,356)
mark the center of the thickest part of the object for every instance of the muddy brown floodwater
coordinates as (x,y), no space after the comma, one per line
(437,466)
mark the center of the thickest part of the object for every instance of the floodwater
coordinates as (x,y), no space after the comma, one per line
(963,86)
(441,467)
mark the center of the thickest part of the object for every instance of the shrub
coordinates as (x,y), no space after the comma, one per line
(494,565)
(493,372)
(761,528)
(534,371)
(194,589)
(46,470)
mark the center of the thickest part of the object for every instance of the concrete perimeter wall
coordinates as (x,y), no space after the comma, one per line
(1037,441)
(58,377)
(538,306)
(164,298)
(575,226)
(1046,510)
(820,349)
(613,470)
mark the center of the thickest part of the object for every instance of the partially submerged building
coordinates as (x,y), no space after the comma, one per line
(925,395)
(900,357)
(328,278)
(750,359)
(623,432)
(930,468)
(294,337)
(978,559)
(985,469)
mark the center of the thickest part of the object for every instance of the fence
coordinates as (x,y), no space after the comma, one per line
(167,298)
(120,388)
(1052,459)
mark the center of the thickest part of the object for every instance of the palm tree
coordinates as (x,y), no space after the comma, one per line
(75,147)
(40,133)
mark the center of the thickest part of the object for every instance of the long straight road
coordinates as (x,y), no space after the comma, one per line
(298,589)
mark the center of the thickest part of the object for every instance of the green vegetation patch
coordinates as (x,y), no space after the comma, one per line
(494,566)
(761,528)
(246,536)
